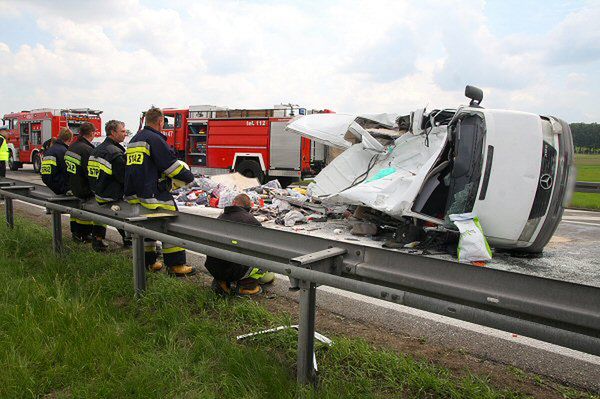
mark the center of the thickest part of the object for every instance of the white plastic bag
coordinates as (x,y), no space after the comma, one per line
(293,217)
(472,245)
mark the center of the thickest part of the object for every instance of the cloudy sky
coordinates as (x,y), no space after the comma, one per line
(350,56)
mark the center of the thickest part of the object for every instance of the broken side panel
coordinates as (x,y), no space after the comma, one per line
(389,181)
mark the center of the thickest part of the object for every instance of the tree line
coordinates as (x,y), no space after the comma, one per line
(586,137)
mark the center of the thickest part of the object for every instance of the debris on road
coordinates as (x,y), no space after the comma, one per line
(397,179)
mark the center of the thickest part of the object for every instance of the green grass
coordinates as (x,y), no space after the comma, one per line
(69,327)
(588,169)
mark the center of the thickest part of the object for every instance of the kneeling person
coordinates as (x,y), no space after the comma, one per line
(247,279)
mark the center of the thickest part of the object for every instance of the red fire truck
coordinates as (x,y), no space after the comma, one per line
(28,130)
(253,142)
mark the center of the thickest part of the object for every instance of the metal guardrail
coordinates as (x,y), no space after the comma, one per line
(560,312)
(587,187)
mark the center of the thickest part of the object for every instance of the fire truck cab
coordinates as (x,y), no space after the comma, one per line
(28,130)
(215,140)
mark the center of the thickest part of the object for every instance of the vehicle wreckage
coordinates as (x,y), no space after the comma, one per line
(513,169)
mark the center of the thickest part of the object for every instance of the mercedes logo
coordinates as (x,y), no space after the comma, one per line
(546,181)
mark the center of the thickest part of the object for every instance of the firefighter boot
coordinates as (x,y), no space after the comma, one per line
(155,267)
(247,287)
(81,239)
(182,270)
(266,278)
(261,276)
(99,245)
(221,287)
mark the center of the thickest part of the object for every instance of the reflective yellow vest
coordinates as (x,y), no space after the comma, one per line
(3,150)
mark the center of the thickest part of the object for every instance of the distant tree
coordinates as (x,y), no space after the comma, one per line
(586,137)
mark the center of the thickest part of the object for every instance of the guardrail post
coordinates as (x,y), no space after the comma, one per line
(56,232)
(306,333)
(10,217)
(139,265)
(329,261)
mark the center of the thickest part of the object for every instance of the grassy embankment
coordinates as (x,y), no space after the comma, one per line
(69,327)
(588,169)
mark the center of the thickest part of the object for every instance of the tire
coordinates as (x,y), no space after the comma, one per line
(250,168)
(12,165)
(37,162)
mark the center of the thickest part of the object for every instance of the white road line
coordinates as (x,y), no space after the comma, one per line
(578,211)
(585,218)
(582,223)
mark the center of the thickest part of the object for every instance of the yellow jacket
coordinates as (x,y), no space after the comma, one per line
(3,149)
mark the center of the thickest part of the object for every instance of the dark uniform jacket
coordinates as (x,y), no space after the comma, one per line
(223,269)
(106,171)
(238,214)
(53,170)
(76,159)
(150,166)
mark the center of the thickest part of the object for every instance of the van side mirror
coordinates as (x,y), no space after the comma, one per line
(475,94)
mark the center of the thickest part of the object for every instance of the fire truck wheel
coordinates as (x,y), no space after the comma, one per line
(37,162)
(251,168)
(12,165)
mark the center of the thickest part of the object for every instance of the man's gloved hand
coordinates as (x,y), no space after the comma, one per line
(176,184)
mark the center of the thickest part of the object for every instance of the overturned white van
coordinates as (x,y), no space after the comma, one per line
(513,169)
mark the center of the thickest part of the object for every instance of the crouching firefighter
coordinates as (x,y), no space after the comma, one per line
(76,159)
(150,171)
(106,168)
(232,278)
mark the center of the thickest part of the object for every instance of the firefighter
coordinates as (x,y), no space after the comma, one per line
(150,173)
(76,160)
(54,172)
(47,144)
(53,169)
(106,168)
(233,278)
(4,154)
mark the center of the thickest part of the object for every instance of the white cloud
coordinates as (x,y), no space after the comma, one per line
(576,39)
(348,56)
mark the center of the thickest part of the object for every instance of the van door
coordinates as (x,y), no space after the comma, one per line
(467,160)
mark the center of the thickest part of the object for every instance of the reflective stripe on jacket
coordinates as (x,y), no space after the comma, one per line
(106,171)
(53,170)
(150,166)
(3,149)
(76,160)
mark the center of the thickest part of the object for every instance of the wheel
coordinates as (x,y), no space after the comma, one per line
(37,162)
(12,165)
(250,168)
